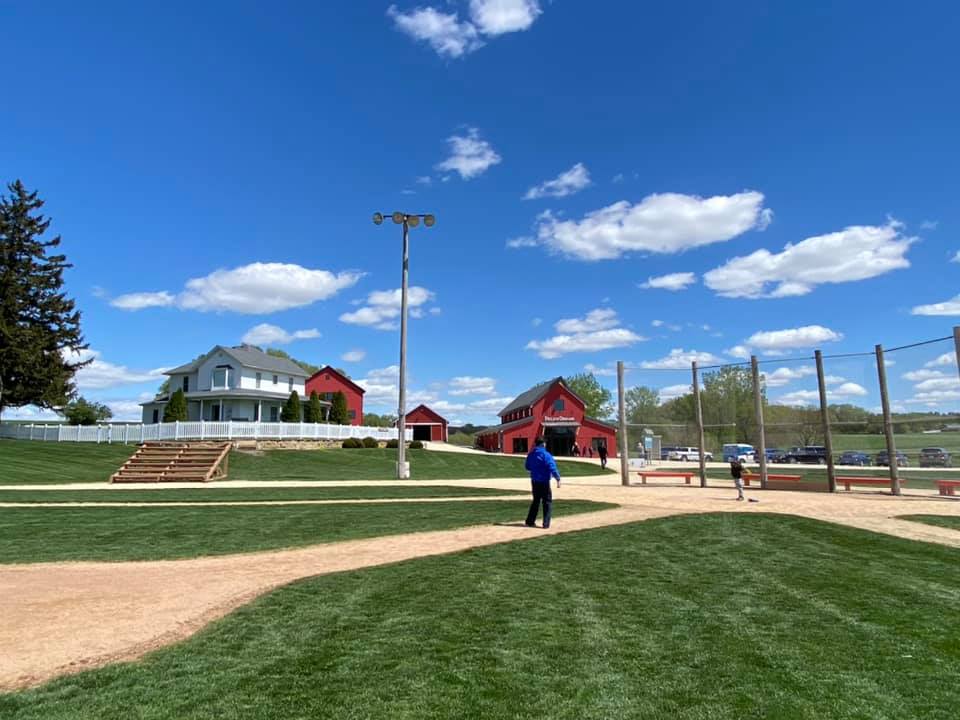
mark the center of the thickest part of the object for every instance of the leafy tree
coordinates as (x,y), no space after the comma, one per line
(40,338)
(308,368)
(338,409)
(462,438)
(374,420)
(164,388)
(598,400)
(291,409)
(643,405)
(313,411)
(727,402)
(83,412)
(176,408)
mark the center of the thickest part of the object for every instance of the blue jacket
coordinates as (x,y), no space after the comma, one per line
(541,465)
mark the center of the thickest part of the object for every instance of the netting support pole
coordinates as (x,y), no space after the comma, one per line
(888,424)
(624,442)
(825,419)
(758,411)
(956,344)
(700,437)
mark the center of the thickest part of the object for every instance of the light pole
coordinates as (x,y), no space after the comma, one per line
(408,221)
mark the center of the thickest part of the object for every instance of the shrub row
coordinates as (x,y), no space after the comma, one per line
(369,442)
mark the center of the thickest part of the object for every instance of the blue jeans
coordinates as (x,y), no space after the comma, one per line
(541,494)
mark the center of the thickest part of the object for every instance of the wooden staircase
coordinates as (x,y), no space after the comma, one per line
(175,462)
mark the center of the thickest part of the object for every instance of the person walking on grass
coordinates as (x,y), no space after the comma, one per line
(602,452)
(541,466)
(736,472)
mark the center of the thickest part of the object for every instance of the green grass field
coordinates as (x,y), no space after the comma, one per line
(38,534)
(687,618)
(921,480)
(909,443)
(205,493)
(948,521)
(24,461)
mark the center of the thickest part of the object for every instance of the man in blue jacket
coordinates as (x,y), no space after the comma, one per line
(542,467)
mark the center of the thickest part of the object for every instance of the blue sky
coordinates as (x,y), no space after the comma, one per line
(608,179)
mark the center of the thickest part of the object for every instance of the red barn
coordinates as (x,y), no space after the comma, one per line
(426,424)
(327,381)
(554,412)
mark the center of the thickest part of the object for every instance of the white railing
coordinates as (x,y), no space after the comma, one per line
(228,430)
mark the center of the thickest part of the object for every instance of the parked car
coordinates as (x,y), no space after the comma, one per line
(810,454)
(665,451)
(688,454)
(883,458)
(739,451)
(935,457)
(853,457)
(776,455)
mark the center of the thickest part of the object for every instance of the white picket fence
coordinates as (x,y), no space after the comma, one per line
(227,430)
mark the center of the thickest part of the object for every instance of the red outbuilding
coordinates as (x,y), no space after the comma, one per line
(554,412)
(426,424)
(327,381)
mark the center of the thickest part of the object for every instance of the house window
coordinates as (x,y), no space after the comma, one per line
(156,416)
(558,405)
(275,379)
(186,383)
(221,376)
(290,384)
(520,445)
(259,378)
(273,413)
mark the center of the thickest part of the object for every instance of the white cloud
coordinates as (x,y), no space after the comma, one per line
(267,334)
(424,180)
(497,17)
(141,300)
(854,253)
(383,308)
(947,308)
(127,410)
(584,342)
(934,398)
(741,352)
(939,383)
(381,385)
(618,178)
(30,413)
(929,224)
(536,321)
(833,379)
(567,183)
(254,289)
(800,397)
(846,390)
(596,331)
(353,355)
(772,341)
(600,371)
(599,319)
(494,404)
(679,359)
(656,323)
(673,391)
(784,375)
(522,242)
(469,155)
(100,374)
(664,223)
(944,360)
(672,281)
(468,385)
(918,375)
(443,31)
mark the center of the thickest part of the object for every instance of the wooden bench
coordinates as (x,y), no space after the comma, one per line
(747,477)
(877,481)
(644,474)
(946,487)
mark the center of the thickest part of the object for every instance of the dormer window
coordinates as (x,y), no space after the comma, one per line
(221,376)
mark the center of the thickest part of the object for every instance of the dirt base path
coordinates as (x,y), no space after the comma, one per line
(66,617)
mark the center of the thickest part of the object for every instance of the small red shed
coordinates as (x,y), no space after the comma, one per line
(427,425)
(328,380)
(554,412)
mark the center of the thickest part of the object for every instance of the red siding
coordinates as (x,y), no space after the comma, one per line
(330,381)
(423,415)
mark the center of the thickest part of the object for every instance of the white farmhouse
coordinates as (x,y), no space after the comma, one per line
(239,383)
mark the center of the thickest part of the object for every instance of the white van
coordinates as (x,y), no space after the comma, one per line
(688,454)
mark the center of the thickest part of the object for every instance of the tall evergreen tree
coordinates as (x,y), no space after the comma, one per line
(40,340)
(338,409)
(176,408)
(291,409)
(313,412)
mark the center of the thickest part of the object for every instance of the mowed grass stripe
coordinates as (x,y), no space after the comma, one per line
(29,462)
(947,521)
(716,616)
(212,493)
(47,534)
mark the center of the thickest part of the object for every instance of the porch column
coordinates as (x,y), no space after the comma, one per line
(259,410)
(201,409)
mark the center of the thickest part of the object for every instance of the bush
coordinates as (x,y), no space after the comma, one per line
(176,408)
(369,442)
(416,445)
(351,443)
(392,444)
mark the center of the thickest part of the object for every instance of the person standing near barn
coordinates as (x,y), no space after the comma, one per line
(602,452)
(541,466)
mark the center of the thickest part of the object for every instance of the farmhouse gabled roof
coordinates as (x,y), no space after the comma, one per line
(430,411)
(340,375)
(248,356)
(528,398)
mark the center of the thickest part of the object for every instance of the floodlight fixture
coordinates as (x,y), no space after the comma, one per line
(399,217)
(377,218)
(413,220)
(429,220)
